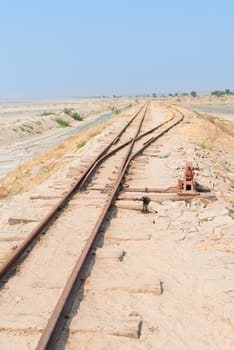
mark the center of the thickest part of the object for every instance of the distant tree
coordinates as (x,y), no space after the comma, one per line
(171,95)
(193,94)
(154,95)
(228,92)
(184,94)
(217,93)
(176,94)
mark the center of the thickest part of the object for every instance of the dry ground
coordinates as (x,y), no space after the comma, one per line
(174,287)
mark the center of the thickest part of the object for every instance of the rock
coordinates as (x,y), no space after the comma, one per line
(189,216)
(155,206)
(229,313)
(180,204)
(207,173)
(197,204)
(206,228)
(212,211)
(168,204)
(222,220)
(179,237)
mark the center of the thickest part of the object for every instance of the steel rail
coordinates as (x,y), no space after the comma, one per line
(7,266)
(118,148)
(57,312)
(48,331)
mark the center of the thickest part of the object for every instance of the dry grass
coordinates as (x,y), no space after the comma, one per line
(34,172)
(206,131)
(222,131)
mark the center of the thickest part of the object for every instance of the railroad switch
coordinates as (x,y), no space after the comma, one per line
(187,185)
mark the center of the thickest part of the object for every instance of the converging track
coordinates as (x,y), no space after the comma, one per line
(72,229)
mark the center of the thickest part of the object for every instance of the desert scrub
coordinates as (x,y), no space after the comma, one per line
(47,113)
(62,123)
(76,116)
(25,177)
(28,126)
(80,144)
(68,111)
(115,110)
(72,114)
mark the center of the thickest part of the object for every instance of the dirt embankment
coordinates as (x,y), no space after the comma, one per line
(27,121)
(35,171)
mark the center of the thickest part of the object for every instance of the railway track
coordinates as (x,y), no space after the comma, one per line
(89,204)
(10,262)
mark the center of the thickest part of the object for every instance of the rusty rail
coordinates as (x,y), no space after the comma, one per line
(51,325)
(48,332)
(7,266)
(118,148)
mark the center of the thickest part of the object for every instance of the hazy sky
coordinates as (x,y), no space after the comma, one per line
(61,48)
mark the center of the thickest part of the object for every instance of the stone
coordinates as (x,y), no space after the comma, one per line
(189,216)
(222,220)
(179,237)
(229,313)
(212,211)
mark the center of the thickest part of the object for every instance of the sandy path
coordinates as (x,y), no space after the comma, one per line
(173,289)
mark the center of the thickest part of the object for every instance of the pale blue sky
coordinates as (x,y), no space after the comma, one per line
(62,48)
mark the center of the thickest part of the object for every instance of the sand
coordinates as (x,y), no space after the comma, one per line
(162,280)
(30,129)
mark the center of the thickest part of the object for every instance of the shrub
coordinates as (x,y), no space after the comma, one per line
(81,144)
(62,123)
(115,110)
(76,116)
(68,111)
(72,114)
(47,113)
